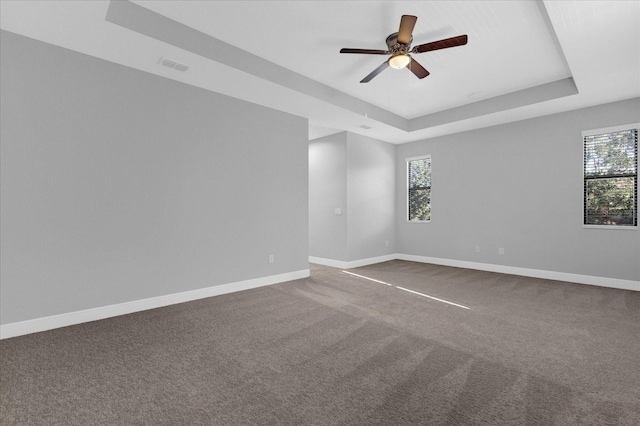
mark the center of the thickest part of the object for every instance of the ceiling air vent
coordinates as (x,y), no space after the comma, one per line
(364,126)
(173,64)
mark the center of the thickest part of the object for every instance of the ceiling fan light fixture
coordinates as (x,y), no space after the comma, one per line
(399,61)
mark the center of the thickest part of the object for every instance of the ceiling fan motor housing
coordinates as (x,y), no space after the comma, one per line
(395,47)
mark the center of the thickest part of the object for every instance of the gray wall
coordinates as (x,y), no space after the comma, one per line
(328,191)
(357,174)
(118,185)
(518,186)
(371,186)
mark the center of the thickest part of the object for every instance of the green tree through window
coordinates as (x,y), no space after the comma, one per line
(419,175)
(611,177)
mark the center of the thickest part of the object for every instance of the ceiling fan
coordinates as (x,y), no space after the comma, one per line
(400,48)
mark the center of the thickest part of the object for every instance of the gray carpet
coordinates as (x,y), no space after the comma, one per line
(336,349)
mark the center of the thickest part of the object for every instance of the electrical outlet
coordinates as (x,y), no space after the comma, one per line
(477,249)
(386,243)
(501,250)
(271,258)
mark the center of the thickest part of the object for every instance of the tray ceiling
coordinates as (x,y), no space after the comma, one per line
(524,58)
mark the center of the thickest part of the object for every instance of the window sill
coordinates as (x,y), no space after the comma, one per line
(613,227)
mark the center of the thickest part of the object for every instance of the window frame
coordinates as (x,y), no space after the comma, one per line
(593,132)
(406,179)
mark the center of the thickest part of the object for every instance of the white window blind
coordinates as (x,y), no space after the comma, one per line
(611,177)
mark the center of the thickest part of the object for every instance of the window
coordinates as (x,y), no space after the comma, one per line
(419,196)
(611,177)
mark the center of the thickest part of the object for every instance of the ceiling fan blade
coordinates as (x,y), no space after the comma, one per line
(417,69)
(365,51)
(375,72)
(407,22)
(441,44)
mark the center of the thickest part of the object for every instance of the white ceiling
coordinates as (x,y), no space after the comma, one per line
(524,58)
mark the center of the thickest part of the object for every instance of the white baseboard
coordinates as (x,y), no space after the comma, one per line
(526,272)
(78,317)
(352,264)
(514,270)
